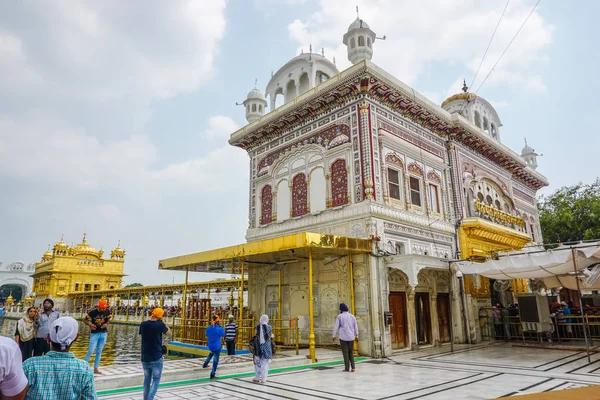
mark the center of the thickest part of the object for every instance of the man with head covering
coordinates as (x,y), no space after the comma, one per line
(152,356)
(264,331)
(231,331)
(13,382)
(97,319)
(214,333)
(346,326)
(45,319)
(58,374)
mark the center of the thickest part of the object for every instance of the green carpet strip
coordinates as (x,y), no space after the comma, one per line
(240,375)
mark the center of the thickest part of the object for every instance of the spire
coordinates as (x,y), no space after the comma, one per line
(323,51)
(525,141)
(255,82)
(84,241)
(465,88)
(357,16)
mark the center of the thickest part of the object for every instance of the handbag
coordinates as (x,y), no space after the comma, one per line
(164,349)
(273,347)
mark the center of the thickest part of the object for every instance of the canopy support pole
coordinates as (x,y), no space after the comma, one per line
(585,328)
(184,305)
(352,303)
(450,292)
(311,312)
(241,302)
(279,301)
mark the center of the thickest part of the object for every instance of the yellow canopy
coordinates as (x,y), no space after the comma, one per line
(278,251)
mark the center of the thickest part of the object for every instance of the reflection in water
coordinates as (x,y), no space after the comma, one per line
(122,346)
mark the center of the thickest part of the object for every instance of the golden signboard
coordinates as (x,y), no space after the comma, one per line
(498,215)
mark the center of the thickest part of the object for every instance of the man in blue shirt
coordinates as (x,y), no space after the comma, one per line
(45,320)
(152,357)
(214,333)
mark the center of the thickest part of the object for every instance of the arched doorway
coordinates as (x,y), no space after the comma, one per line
(16,290)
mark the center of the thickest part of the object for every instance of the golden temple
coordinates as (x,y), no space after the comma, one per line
(66,269)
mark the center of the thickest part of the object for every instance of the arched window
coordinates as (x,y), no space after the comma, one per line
(299,196)
(248,108)
(415,191)
(488,199)
(339,183)
(253,107)
(266,205)
(352,43)
(486,125)
(477,119)
(260,108)
(497,204)
(369,42)
(361,41)
(494,133)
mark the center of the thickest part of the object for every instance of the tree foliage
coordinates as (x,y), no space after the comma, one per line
(134,285)
(571,213)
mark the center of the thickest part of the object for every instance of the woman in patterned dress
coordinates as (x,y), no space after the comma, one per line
(264,331)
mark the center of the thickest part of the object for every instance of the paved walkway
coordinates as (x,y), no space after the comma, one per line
(472,372)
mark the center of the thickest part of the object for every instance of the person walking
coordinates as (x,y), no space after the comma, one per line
(347,328)
(26,332)
(13,382)
(59,374)
(231,332)
(45,318)
(264,331)
(152,332)
(97,319)
(214,333)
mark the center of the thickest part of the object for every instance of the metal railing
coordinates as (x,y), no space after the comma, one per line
(193,331)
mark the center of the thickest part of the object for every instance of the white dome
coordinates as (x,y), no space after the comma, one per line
(255,94)
(527,149)
(358,24)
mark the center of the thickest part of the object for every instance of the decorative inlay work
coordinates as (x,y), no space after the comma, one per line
(299,195)
(339,183)
(329,138)
(266,207)
(434,177)
(395,228)
(392,158)
(422,144)
(523,196)
(415,168)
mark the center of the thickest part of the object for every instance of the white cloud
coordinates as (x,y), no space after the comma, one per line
(433,31)
(220,127)
(535,83)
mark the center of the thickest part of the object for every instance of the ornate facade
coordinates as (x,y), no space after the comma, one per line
(16,273)
(363,155)
(66,269)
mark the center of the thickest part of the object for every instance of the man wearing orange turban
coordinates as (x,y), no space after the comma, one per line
(152,350)
(97,319)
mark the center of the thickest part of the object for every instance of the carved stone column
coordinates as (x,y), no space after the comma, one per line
(328,191)
(274,206)
(413,340)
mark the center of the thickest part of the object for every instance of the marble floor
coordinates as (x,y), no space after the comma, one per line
(484,371)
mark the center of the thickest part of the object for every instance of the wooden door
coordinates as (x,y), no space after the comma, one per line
(423,316)
(398,328)
(443,305)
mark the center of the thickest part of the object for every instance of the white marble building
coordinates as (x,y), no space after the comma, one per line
(360,154)
(17,273)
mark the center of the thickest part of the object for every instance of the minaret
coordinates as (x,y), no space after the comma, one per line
(254,104)
(530,156)
(359,40)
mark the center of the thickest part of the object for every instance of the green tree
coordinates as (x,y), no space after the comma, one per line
(571,213)
(134,285)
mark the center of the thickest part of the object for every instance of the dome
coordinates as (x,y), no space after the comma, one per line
(358,24)
(527,149)
(460,96)
(84,248)
(61,246)
(47,255)
(117,252)
(255,94)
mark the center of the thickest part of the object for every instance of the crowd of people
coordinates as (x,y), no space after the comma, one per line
(38,363)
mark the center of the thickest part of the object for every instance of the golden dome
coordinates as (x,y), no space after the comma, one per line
(117,252)
(460,96)
(465,95)
(84,248)
(47,255)
(61,246)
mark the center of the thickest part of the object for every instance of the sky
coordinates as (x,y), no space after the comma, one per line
(115,116)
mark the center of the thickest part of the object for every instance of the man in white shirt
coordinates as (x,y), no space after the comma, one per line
(13,382)
(347,327)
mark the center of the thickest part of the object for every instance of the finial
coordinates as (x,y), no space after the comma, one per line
(310,48)
(465,88)
(271,73)
(357,17)
(525,141)
(323,51)
(119,243)
(333,60)
(255,82)
(84,235)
